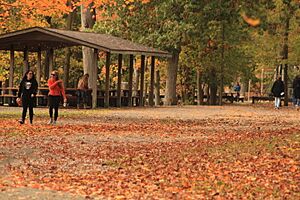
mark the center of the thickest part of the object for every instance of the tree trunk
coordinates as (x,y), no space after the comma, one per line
(11,69)
(206,89)
(69,22)
(199,89)
(87,22)
(89,55)
(285,58)
(130,83)
(46,66)
(107,81)
(39,68)
(47,53)
(222,65)
(143,67)
(213,87)
(51,61)
(157,89)
(136,81)
(94,79)
(67,67)
(25,61)
(119,100)
(170,93)
(151,91)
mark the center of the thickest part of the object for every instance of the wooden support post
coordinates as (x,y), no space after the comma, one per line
(46,66)
(249,89)
(51,61)
(157,88)
(136,85)
(119,80)
(262,83)
(142,80)
(11,69)
(107,84)
(39,68)
(130,81)
(26,64)
(94,79)
(151,92)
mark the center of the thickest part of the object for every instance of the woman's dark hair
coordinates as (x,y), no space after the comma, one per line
(25,75)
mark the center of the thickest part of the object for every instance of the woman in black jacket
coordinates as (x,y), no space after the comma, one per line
(296,90)
(278,91)
(27,91)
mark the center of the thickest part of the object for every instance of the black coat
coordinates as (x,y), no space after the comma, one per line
(278,88)
(27,88)
(296,88)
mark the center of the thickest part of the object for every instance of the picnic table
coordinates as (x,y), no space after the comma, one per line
(262,98)
(8,96)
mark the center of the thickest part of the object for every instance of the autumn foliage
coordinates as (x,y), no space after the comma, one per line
(27,13)
(167,153)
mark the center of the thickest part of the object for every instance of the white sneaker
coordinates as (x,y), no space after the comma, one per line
(54,122)
(50,122)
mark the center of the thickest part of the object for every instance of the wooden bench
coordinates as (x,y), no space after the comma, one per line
(10,100)
(231,97)
(262,98)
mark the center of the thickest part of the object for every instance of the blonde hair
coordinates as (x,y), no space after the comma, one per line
(83,82)
(57,78)
(56,74)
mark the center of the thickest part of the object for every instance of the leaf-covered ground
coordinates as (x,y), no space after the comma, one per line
(230,152)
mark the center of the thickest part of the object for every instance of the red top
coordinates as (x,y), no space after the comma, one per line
(56,89)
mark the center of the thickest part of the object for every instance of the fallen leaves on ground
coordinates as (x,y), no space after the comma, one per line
(217,157)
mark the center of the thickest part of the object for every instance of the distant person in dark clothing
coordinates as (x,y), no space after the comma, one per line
(296,91)
(26,94)
(237,89)
(278,91)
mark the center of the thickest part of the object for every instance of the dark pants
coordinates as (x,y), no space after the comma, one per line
(81,94)
(53,104)
(27,102)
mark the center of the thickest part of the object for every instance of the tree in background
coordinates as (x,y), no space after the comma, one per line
(213,42)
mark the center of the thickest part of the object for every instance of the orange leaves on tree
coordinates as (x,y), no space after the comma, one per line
(28,13)
(250,21)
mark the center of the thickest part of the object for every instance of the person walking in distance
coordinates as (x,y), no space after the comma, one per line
(237,89)
(26,94)
(56,90)
(278,91)
(82,89)
(296,91)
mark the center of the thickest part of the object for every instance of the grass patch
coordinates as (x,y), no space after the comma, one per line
(44,112)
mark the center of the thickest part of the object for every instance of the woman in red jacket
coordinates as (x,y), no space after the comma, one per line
(56,89)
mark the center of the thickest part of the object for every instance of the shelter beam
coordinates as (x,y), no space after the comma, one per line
(142,80)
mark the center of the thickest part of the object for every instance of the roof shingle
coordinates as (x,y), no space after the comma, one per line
(38,38)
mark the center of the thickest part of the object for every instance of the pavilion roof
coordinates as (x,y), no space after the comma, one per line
(38,38)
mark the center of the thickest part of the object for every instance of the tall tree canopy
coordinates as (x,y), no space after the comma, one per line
(220,40)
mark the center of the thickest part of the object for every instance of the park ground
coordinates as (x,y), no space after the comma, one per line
(190,152)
